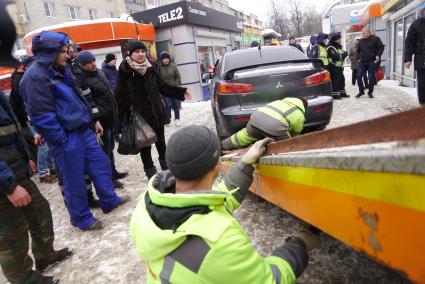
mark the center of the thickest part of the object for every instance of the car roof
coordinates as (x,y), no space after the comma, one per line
(269,54)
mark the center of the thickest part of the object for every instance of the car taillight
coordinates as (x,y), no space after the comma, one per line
(235,88)
(319,109)
(318,78)
(242,118)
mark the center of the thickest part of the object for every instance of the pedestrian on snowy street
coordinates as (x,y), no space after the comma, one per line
(104,99)
(171,75)
(369,52)
(109,68)
(310,46)
(320,49)
(139,89)
(355,64)
(23,210)
(336,66)
(293,43)
(279,120)
(415,45)
(183,226)
(62,116)
(45,165)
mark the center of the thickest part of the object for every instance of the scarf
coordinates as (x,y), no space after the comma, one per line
(141,68)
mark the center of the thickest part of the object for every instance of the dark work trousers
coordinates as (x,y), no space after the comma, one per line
(370,69)
(421,85)
(146,154)
(108,139)
(338,79)
(15,222)
(354,79)
(173,105)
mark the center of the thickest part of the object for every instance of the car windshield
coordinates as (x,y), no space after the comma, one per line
(269,54)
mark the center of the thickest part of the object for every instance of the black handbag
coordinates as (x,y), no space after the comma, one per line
(136,135)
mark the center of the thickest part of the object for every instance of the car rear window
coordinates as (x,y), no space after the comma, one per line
(269,54)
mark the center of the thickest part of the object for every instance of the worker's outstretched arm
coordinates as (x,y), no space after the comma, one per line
(238,140)
(239,176)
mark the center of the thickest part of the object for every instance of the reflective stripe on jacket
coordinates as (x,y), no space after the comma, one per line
(339,62)
(323,55)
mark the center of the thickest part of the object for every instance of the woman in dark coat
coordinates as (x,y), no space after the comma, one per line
(139,88)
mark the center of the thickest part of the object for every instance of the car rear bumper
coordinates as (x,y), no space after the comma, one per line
(232,119)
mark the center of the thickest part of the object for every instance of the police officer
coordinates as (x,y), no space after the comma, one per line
(320,49)
(279,120)
(336,66)
(22,207)
(186,233)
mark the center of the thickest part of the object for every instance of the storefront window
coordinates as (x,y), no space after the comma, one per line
(398,47)
(219,51)
(407,22)
(206,60)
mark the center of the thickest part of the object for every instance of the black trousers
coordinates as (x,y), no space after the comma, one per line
(354,78)
(146,154)
(421,85)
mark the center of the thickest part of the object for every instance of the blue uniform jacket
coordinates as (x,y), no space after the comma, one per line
(53,102)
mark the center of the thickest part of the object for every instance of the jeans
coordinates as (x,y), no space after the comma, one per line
(108,139)
(370,69)
(173,104)
(354,78)
(44,159)
(146,154)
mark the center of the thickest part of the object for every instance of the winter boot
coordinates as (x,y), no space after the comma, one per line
(96,226)
(118,184)
(163,164)
(57,256)
(150,172)
(93,202)
(359,95)
(117,175)
(47,280)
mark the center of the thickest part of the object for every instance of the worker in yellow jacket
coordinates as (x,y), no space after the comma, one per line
(279,120)
(183,226)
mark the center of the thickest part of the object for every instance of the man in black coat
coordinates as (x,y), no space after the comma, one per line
(104,99)
(415,45)
(369,51)
(293,43)
(109,68)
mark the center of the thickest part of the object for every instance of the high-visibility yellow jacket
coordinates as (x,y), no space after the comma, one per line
(193,238)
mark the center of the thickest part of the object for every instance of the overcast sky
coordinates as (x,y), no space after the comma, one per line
(261,8)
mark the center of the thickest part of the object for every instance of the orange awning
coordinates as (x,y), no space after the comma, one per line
(98,33)
(372,11)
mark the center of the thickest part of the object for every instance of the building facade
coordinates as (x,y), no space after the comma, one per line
(196,37)
(399,15)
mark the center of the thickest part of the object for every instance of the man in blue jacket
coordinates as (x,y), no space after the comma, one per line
(62,116)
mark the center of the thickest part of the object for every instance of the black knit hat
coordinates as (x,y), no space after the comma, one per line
(135,45)
(192,152)
(109,57)
(163,55)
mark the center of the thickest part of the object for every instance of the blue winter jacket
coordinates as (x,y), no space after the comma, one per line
(53,102)
(111,74)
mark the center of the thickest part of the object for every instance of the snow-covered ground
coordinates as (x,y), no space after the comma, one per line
(107,256)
